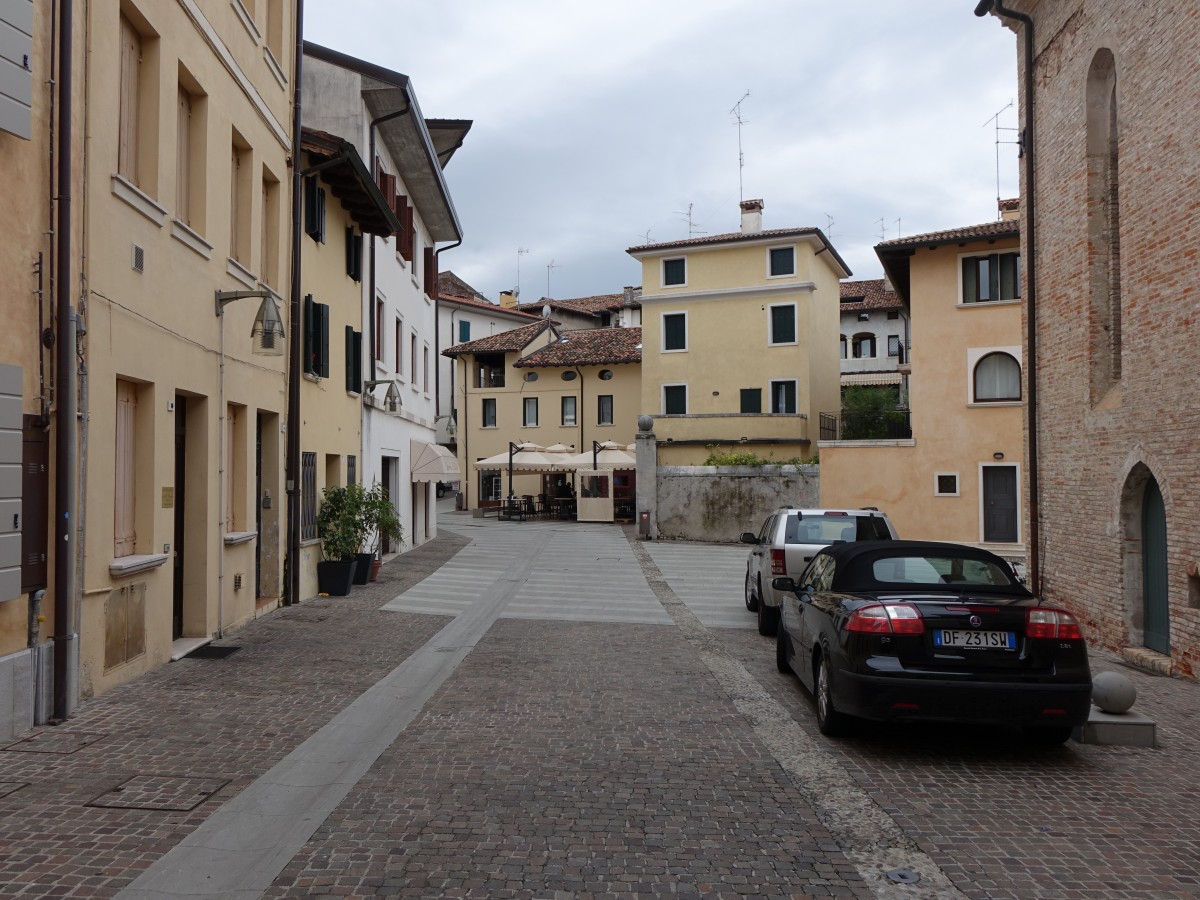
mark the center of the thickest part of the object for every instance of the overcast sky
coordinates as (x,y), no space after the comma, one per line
(598,125)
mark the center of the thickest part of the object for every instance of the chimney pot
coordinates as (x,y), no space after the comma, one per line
(751,216)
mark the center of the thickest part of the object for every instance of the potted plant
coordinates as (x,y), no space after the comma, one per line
(339,525)
(379,521)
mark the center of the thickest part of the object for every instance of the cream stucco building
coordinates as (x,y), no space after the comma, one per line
(741,340)
(959,477)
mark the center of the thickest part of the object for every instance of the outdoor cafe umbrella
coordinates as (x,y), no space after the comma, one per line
(527,457)
(603,455)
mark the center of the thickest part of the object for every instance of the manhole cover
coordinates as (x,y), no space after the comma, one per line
(8,787)
(55,741)
(903,876)
(160,792)
(210,651)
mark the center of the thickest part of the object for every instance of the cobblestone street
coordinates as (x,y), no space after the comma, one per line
(548,709)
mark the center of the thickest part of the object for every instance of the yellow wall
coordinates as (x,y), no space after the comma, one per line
(950,434)
(158,328)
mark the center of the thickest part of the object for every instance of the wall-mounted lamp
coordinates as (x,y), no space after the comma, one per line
(997,455)
(391,400)
(267,331)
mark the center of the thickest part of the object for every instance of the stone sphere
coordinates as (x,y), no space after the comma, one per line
(645,423)
(1113,692)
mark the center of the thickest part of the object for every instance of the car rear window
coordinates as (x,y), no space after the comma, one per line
(930,571)
(831,529)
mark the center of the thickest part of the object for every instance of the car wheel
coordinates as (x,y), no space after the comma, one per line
(782,651)
(1047,735)
(831,722)
(751,597)
(768,619)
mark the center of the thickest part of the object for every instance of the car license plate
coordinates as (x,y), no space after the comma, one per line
(975,640)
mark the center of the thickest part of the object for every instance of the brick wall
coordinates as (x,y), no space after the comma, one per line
(1099,444)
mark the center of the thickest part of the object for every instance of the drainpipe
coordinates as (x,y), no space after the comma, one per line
(292,463)
(1028,200)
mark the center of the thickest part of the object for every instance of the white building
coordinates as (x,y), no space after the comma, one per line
(874,333)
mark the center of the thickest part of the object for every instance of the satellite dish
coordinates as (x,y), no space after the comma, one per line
(546,311)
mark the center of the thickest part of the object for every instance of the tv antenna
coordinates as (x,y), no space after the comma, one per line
(829,226)
(549,266)
(521,251)
(995,122)
(898,235)
(736,112)
(646,237)
(687,217)
(882,228)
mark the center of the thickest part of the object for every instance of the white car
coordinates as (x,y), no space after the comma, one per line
(787,542)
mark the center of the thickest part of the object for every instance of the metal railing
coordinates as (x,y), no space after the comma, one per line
(873,425)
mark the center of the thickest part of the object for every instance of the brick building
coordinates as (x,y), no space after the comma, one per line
(1111,236)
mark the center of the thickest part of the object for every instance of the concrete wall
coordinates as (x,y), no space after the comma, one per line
(718,503)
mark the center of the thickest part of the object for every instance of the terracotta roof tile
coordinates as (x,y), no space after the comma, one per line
(513,341)
(487,305)
(729,236)
(592,347)
(868,294)
(586,305)
(1002,229)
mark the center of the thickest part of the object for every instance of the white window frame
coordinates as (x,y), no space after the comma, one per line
(795,382)
(525,409)
(687,399)
(662,341)
(495,413)
(771,342)
(791,274)
(573,422)
(662,271)
(612,409)
(974,355)
(957,484)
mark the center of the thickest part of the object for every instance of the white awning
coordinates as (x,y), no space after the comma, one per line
(431,462)
(871,378)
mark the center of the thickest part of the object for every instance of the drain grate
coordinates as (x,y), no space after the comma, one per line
(211,651)
(55,741)
(10,787)
(159,792)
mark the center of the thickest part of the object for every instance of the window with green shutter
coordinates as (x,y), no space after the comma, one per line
(675,399)
(751,400)
(674,331)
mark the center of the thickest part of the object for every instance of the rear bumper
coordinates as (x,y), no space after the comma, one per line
(886,698)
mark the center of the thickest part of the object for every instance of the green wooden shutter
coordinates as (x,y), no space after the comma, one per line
(322,339)
(308,363)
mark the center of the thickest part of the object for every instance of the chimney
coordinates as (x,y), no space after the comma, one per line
(508,299)
(751,216)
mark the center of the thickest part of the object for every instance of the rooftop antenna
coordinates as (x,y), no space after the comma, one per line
(995,121)
(898,235)
(882,229)
(687,216)
(736,112)
(549,266)
(829,226)
(521,251)
(646,237)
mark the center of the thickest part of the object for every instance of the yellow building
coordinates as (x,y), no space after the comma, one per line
(959,476)
(537,384)
(741,340)
(342,202)
(188,195)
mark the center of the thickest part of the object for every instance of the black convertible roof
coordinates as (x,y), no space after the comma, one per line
(860,578)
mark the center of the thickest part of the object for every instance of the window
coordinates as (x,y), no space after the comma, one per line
(490,486)
(464,332)
(568,411)
(997,378)
(489,412)
(125,495)
(129,114)
(991,277)
(269,263)
(316,337)
(529,417)
(674,272)
(945,484)
(354,379)
(235,473)
(240,186)
(399,348)
(275,28)
(351,470)
(308,496)
(314,209)
(783,397)
(380,311)
(354,254)
(783,323)
(842,346)
(864,346)
(782,261)
(183,157)
(751,400)
(675,399)
(894,345)
(412,358)
(604,409)
(674,331)
(425,369)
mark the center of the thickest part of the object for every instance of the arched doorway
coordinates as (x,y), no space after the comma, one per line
(1156,613)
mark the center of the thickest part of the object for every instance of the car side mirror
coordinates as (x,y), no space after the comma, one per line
(749,537)
(783,583)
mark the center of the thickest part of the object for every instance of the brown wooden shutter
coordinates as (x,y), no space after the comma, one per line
(430,273)
(125,534)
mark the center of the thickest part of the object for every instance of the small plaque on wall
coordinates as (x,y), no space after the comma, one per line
(168,498)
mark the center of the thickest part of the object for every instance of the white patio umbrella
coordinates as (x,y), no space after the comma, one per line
(527,457)
(603,455)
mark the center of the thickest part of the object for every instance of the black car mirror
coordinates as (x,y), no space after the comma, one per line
(749,537)
(783,583)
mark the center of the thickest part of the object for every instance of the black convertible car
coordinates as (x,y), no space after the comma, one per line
(915,630)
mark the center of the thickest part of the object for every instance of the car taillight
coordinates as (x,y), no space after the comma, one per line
(898,618)
(778,563)
(1053,624)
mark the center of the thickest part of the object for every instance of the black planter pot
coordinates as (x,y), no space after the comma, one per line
(334,577)
(362,573)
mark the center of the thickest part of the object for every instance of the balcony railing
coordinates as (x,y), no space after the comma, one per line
(875,425)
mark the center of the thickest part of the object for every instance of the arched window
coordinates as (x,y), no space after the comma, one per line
(864,346)
(997,379)
(842,342)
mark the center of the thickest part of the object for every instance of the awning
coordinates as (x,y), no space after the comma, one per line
(431,462)
(871,378)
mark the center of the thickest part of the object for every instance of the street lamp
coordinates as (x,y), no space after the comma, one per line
(391,400)
(267,336)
